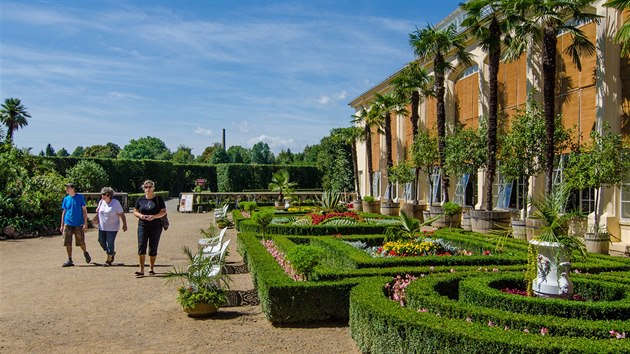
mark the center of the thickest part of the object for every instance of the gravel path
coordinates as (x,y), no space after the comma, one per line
(88,308)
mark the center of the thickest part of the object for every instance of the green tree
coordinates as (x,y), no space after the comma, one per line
(280,183)
(108,151)
(219,156)
(466,150)
(206,155)
(368,120)
(62,152)
(285,157)
(623,34)
(78,151)
(309,156)
(533,20)
(261,153)
(88,176)
(49,150)
(424,155)
(239,154)
(14,116)
(352,136)
(411,85)
(431,43)
(145,148)
(183,155)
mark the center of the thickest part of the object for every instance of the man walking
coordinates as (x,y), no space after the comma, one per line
(73,222)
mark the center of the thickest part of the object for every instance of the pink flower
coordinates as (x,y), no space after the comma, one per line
(526,330)
(495,269)
(423,310)
(468,319)
(544,331)
(491,324)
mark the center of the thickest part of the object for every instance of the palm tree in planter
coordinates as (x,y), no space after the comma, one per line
(402,173)
(384,106)
(352,136)
(465,153)
(424,155)
(551,251)
(368,120)
(534,20)
(280,183)
(604,162)
(435,44)
(14,115)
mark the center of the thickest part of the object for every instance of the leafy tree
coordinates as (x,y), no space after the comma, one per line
(206,155)
(533,20)
(88,176)
(623,34)
(410,85)
(368,120)
(351,136)
(261,153)
(109,151)
(309,156)
(183,155)
(431,43)
(331,150)
(424,155)
(62,152)
(383,107)
(78,151)
(285,157)
(14,115)
(219,156)
(341,179)
(49,150)
(239,154)
(466,150)
(280,183)
(145,148)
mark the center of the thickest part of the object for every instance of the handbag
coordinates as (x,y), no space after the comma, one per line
(164,221)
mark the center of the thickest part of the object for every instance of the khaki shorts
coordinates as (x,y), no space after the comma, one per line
(77,231)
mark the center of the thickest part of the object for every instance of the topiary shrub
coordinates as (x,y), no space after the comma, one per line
(304,258)
(88,176)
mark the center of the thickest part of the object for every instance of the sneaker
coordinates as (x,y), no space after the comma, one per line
(113,254)
(88,259)
(68,263)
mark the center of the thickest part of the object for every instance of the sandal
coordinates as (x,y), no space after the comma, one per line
(151,272)
(139,274)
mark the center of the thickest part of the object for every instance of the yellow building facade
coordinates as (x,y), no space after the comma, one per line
(599,93)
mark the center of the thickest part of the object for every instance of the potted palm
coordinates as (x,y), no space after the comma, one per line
(401,173)
(603,163)
(551,251)
(280,183)
(204,285)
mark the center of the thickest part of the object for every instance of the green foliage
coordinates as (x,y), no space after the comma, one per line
(219,156)
(108,151)
(402,173)
(261,153)
(183,155)
(145,148)
(369,198)
(247,206)
(466,150)
(280,183)
(239,154)
(240,177)
(78,151)
(304,258)
(451,208)
(263,218)
(62,152)
(330,200)
(88,176)
(14,116)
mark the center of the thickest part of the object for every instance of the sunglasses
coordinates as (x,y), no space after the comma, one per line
(148,187)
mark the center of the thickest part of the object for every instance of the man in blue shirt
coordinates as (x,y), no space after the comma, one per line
(73,222)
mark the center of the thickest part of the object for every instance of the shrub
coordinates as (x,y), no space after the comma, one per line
(304,258)
(451,208)
(263,218)
(88,176)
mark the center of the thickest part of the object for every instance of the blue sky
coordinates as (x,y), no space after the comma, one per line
(283,72)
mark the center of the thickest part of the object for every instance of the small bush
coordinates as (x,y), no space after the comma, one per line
(304,258)
(88,176)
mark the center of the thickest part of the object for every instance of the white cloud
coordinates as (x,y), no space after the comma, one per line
(274,142)
(325,100)
(203,131)
(243,127)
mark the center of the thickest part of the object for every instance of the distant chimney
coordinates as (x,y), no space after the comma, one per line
(223,138)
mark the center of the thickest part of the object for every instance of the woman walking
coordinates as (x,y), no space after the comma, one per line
(110,214)
(149,209)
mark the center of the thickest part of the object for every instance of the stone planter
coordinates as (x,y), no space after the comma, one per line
(466,221)
(519,229)
(372,207)
(279,205)
(577,227)
(552,271)
(533,227)
(390,208)
(414,210)
(426,215)
(357,205)
(597,243)
(201,310)
(445,220)
(484,221)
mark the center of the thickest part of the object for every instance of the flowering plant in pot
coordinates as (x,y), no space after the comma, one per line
(204,288)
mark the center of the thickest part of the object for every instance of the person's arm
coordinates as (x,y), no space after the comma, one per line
(124,221)
(63,214)
(85,224)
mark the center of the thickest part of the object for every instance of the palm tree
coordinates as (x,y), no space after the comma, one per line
(623,35)
(383,107)
(369,120)
(535,19)
(13,114)
(280,183)
(351,136)
(490,29)
(435,44)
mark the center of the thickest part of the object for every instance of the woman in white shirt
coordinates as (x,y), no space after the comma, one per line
(110,213)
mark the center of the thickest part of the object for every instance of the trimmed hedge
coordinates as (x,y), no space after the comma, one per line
(379,325)
(305,230)
(239,177)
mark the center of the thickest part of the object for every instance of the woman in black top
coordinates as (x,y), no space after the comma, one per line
(149,209)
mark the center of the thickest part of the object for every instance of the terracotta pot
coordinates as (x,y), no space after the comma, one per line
(201,310)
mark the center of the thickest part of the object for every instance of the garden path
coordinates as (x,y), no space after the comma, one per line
(89,308)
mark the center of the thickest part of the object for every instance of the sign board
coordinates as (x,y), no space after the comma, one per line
(185,202)
(201,181)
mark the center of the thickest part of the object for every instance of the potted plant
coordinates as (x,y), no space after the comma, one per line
(604,162)
(280,183)
(371,205)
(451,215)
(401,173)
(550,252)
(204,284)
(424,155)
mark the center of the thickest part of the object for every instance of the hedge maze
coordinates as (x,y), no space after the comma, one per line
(455,305)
